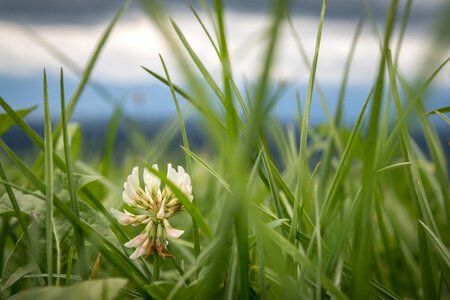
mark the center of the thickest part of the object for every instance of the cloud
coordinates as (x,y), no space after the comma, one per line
(136,41)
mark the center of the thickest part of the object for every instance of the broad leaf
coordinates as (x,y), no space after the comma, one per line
(161,289)
(94,289)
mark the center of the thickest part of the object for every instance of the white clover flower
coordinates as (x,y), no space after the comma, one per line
(156,206)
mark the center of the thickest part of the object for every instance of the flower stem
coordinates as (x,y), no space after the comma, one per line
(156,267)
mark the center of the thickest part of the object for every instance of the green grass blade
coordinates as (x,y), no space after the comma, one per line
(14,203)
(414,171)
(427,266)
(301,258)
(441,110)
(339,110)
(345,159)
(19,121)
(208,167)
(48,152)
(303,171)
(443,117)
(205,73)
(110,139)
(440,248)
(404,25)
(232,118)
(209,114)
(186,146)
(363,218)
(395,166)
(6,122)
(89,68)
(205,30)
(111,253)
(72,188)
(37,140)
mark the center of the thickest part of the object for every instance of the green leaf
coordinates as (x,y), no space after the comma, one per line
(93,289)
(17,264)
(17,273)
(160,290)
(6,122)
(29,204)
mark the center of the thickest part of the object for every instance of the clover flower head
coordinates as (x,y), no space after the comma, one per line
(156,206)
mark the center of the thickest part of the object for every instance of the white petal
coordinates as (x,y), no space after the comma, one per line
(161,214)
(181,179)
(172,174)
(137,241)
(152,182)
(172,232)
(126,199)
(131,189)
(134,177)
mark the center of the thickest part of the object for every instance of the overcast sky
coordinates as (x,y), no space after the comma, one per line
(74,27)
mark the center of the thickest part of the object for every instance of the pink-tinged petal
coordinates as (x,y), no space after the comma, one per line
(172,232)
(137,241)
(126,218)
(143,249)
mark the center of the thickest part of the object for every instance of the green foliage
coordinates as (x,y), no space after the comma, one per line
(89,290)
(332,211)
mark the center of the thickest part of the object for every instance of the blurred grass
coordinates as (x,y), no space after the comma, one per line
(330,212)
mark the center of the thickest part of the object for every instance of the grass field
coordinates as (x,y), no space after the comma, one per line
(264,210)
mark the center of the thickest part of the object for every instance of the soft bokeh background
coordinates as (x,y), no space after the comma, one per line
(29,31)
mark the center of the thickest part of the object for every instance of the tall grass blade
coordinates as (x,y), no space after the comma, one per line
(48,152)
(427,266)
(441,250)
(303,171)
(79,238)
(110,139)
(186,146)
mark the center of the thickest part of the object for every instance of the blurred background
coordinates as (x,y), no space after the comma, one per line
(50,34)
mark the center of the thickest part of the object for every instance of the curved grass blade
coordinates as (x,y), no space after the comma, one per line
(71,181)
(37,140)
(208,167)
(111,253)
(441,250)
(186,146)
(89,67)
(14,203)
(204,111)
